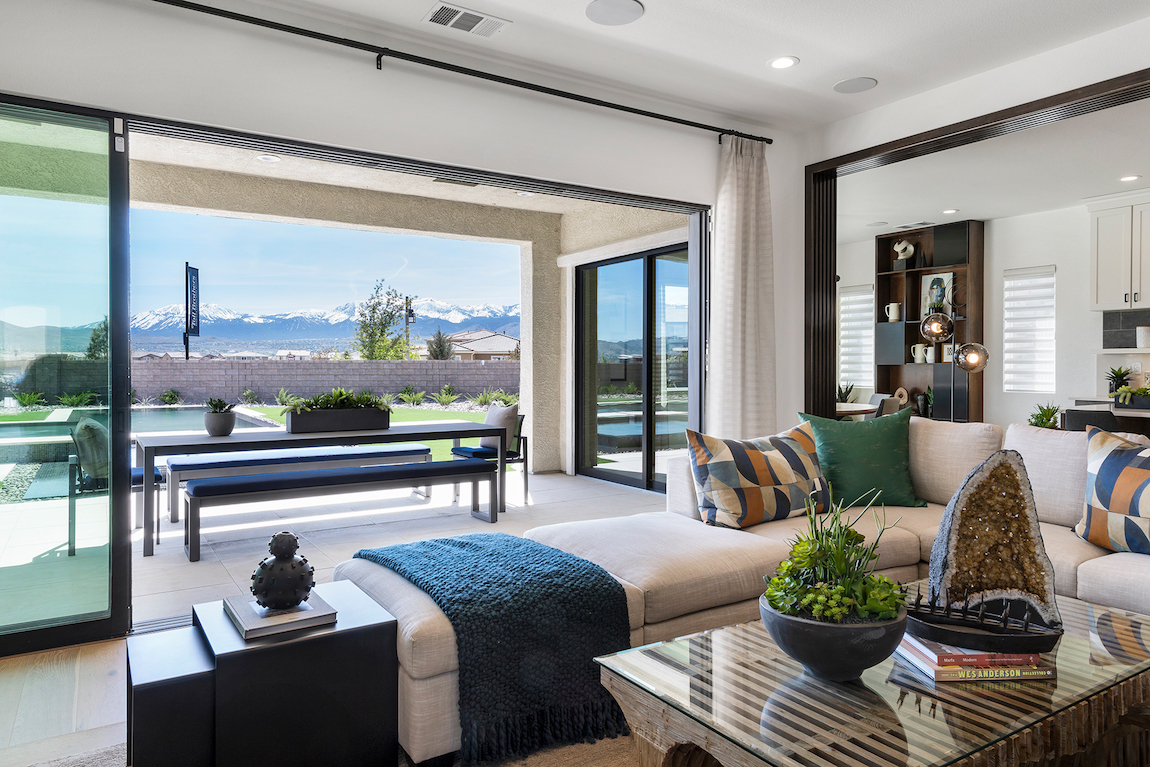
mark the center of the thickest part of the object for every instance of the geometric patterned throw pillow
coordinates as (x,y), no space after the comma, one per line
(740,483)
(1117,510)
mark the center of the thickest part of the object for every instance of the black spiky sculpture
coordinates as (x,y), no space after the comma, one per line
(284,579)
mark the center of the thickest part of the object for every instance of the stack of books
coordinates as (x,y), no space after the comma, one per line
(944,663)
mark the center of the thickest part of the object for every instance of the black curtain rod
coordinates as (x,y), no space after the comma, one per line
(381,53)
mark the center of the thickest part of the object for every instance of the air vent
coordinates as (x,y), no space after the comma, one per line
(453,181)
(471,22)
(915,225)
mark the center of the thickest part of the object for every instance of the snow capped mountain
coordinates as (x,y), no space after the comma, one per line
(332,325)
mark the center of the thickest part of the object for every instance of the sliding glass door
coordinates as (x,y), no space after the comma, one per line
(61,555)
(633,387)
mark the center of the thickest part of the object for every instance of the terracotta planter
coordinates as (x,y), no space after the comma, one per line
(837,652)
(347,419)
(219,424)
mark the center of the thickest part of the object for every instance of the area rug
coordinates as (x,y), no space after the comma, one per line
(616,752)
(51,482)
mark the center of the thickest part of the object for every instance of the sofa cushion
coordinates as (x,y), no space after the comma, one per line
(943,453)
(1067,553)
(1117,580)
(896,548)
(681,497)
(922,522)
(1056,464)
(859,456)
(1117,508)
(679,565)
(740,483)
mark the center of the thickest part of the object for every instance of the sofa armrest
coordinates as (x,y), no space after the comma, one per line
(681,497)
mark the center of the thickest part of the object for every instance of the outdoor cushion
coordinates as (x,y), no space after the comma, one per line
(272,457)
(1056,464)
(1117,580)
(258,483)
(860,456)
(1067,553)
(740,483)
(1116,514)
(680,566)
(138,476)
(507,417)
(92,448)
(943,453)
(490,453)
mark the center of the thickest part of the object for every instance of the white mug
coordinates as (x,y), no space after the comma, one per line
(893,312)
(919,352)
(930,354)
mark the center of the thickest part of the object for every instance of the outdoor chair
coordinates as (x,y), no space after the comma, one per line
(89,470)
(517,454)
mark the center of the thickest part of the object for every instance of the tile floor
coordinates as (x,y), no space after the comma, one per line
(71,700)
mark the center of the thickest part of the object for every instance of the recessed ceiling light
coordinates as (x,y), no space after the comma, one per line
(784,62)
(948,211)
(1129,178)
(526,194)
(614,13)
(877,223)
(267,158)
(855,85)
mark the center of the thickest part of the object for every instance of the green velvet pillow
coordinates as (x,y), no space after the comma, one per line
(858,456)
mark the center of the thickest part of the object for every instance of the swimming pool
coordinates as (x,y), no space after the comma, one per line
(149,419)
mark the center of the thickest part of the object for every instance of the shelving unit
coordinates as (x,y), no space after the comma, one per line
(950,248)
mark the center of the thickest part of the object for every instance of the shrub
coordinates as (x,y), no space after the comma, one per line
(247,396)
(632,388)
(485,397)
(409,389)
(1045,416)
(608,389)
(387,399)
(445,396)
(30,398)
(506,399)
(79,399)
(284,397)
(338,399)
(134,396)
(412,397)
(170,397)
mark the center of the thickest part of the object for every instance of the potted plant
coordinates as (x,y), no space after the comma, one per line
(1124,396)
(1118,377)
(341,410)
(1045,416)
(825,606)
(219,420)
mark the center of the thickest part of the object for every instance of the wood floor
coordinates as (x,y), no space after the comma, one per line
(72,700)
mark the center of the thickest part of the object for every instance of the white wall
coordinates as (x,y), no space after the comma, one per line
(1062,238)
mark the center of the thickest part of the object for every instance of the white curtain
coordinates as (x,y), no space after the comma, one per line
(741,366)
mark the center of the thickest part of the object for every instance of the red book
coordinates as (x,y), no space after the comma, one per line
(948,655)
(932,671)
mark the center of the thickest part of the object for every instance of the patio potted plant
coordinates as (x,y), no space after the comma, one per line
(219,420)
(341,410)
(826,608)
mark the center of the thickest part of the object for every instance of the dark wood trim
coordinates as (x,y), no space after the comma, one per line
(821,260)
(1079,101)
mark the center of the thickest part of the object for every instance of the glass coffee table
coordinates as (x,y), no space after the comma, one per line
(732,693)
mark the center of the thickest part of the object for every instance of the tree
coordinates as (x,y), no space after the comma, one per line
(375,319)
(517,354)
(98,343)
(440,347)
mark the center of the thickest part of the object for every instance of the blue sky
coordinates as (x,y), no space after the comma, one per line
(265,267)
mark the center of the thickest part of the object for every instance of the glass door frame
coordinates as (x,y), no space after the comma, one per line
(698,316)
(118,621)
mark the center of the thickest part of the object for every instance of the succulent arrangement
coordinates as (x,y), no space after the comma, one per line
(830,576)
(337,399)
(219,406)
(844,392)
(1124,393)
(1045,416)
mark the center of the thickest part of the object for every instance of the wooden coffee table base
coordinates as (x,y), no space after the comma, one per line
(1097,732)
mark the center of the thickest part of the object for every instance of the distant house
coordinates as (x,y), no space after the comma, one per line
(147,357)
(293,354)
(243,356)
(479,345)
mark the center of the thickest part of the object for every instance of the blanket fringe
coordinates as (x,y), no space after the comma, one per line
(516,736)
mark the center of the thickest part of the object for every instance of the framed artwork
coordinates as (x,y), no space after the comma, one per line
(947,353)
(935,289)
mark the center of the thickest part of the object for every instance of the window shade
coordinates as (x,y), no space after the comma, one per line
(856,336)
(1028,330)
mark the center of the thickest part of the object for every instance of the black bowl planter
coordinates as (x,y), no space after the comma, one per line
(837,652)
(219,424)
(346,419)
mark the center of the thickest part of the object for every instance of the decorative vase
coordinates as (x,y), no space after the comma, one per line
(284,579)
(219,424)
(837,652)
(345,419)
(922,405)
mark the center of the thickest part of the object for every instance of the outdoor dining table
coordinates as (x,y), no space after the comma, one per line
(151,445)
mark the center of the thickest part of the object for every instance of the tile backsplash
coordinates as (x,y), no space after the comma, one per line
(1119,329)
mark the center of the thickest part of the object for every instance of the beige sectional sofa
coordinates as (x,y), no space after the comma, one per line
(682,576)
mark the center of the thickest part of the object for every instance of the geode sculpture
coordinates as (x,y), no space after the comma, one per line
(284,579)
(989,546)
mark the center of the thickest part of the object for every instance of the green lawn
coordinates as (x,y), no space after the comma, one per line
(38,415)
(440,449)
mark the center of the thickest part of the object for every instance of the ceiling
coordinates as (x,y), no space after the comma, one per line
(1048,168)
(712,54)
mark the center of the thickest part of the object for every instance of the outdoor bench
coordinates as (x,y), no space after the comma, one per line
(246,462)
(201,493)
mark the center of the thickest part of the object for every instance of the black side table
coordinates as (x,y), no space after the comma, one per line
(321,696)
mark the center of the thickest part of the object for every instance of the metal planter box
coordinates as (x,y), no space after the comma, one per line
(1136,403)
(349,419)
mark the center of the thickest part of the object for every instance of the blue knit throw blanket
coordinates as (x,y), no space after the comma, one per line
(528,620)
